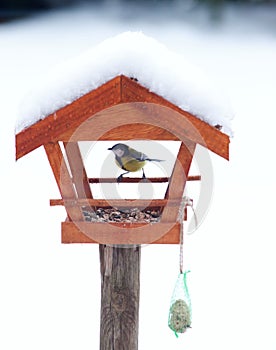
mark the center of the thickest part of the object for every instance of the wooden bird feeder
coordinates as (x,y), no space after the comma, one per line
(119,110)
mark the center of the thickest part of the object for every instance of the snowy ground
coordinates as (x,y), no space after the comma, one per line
(50,293)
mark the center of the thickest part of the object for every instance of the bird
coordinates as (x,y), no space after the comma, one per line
(129,159)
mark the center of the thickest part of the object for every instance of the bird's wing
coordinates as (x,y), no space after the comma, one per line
(139,156)
(119,162)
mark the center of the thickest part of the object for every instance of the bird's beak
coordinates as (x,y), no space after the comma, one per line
(109,149)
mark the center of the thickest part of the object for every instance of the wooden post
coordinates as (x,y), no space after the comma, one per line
(120,291)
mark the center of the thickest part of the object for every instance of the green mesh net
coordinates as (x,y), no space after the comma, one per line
(180,314)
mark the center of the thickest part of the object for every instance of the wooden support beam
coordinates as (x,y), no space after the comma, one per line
(63,178)
(120,294)
(78,170)
(178,180)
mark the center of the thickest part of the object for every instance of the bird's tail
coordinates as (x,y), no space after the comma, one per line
(156,160)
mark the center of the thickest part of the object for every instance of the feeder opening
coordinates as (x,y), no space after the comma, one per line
(103,172)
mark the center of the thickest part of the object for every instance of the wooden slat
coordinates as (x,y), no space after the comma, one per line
(178,180)
(68,117)
(140,131)
(103,233)
(121,122)
(77,169)
(128,180)
(137,179)
(150,121)
(116,203)
(63,178)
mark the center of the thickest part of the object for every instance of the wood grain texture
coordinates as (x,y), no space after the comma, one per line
(115,203)
(149,121)
(121,122)
(214,139)
(123,93)
(126,179)
(178,180)
(68,117)
(121,109)
(78,170)
(120,295)
(119,233)
(63,178)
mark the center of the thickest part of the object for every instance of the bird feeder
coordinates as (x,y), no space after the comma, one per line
(118,110)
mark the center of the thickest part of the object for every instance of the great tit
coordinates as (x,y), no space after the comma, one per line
(129,159)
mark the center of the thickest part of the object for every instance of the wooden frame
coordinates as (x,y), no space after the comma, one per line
(121,109)
(117,92)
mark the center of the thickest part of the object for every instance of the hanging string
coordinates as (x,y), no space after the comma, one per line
(180,218)
(185,202)
(195,216)
(181,248)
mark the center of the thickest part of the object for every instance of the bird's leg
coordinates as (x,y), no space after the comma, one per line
(144,176)
(144,179)
(119,178)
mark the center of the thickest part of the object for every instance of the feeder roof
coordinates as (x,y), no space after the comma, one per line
(134,55)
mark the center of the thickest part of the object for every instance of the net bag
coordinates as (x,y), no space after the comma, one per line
(180,314)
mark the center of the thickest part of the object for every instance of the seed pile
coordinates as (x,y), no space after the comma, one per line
(123,215)
(180,316)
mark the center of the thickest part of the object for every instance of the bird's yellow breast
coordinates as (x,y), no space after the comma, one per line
(130,164)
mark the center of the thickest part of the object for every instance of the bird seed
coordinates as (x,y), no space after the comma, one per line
(131,215)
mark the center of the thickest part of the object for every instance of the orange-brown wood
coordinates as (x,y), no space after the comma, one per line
(63,178)
(178,180)
(85,232)
(121,123)
(116,203)
(121,109)
(138,120)
(128,180)
(68,117)
(127,95)
(136,130)
(77,169)
(214,139)
(137,179)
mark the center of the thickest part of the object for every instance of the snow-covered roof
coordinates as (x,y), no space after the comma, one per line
(135,55)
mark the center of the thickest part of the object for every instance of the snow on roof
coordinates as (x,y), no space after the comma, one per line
(135,55)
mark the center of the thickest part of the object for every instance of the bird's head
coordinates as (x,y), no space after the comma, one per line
(119,149)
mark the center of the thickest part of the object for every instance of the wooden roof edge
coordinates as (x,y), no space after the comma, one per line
(49,128)
(120,89)
(208,132)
